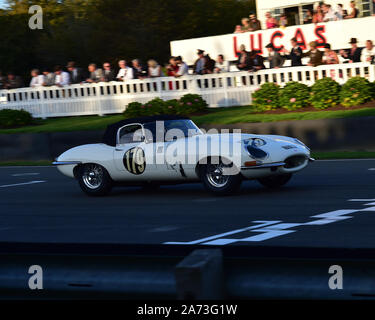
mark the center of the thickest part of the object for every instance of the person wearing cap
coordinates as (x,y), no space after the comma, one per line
(244,61)
(274,58)
(199,65)
(315,55)
(254,23)
(354,54)
(76,74)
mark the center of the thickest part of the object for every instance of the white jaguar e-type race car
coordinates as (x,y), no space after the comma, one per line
(157,150)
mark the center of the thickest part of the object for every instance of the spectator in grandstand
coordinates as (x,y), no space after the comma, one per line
(354,12)
(62,78)
(140,72)
(315,55)
(172,67)
(244,61)
(329,14)
(13,81)
(295,54)
(330,56)
(318,16)
(308,18)
(183,68)
(49,78)
(352,55)
(200,63)
(95,74)
(368,53)
(108,73)
(76,74)
(221,65)
(245,25)
(209,64)
(339,12)
(274,58)
(238,29)
(37,79)
(254,23)
(2,80)
(154,69)
(271,22)
(257,61)
(283,22)
(125,73)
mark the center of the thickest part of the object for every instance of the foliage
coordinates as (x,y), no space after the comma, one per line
(266,97)
(325,93)
(187,105)
(14,118)
(294,96)
(192,103)
(355,91)
(77,29)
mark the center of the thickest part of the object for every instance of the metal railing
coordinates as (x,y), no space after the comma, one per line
(219,90)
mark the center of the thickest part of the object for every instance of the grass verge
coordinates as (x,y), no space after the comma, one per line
(220,116)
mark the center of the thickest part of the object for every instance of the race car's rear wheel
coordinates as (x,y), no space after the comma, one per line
(274,182)
(217,181)
(94,180)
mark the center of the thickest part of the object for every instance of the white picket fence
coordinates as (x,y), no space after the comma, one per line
(219,90)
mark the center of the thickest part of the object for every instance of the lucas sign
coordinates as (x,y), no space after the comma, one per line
(337,33)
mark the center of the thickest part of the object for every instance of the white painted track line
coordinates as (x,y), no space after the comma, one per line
(22,184)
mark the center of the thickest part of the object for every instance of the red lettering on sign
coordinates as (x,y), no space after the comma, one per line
(300,38)
(236,50)
(258,49)
(319,32)
(277,34)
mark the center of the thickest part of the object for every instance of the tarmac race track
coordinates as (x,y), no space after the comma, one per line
(316,209)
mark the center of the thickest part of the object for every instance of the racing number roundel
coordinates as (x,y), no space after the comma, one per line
(134,161)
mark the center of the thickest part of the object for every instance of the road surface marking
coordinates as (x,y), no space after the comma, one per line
(22,184)
(274,229)
(25,174)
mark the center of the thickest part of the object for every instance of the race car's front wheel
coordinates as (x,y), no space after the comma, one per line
(274,182)
(94,180)
(216,180)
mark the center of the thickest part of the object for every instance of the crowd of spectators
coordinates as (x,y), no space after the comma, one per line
(323,13)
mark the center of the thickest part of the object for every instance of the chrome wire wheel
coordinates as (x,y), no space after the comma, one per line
(215,175)
(92,176)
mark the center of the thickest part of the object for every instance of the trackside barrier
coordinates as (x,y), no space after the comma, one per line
(167,272)
(219,90)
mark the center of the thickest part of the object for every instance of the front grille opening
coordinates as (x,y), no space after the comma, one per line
(256,153)
(295,162)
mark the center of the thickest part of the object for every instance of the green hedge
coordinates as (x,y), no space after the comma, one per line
(14,118)
(294,96)
(187,105)
(325,93)
(355,91)
(266,97)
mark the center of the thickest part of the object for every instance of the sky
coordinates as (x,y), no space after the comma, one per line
(2,3)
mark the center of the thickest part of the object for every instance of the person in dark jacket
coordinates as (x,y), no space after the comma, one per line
(76,74)
(244,60)
(257,61)
(13,81)
(295,54)
(353,54)
(108,73)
